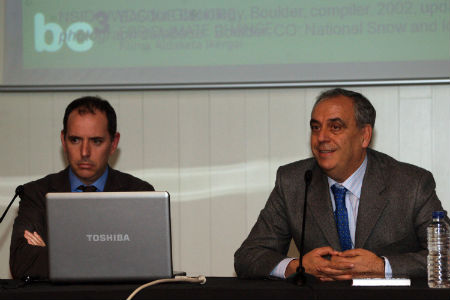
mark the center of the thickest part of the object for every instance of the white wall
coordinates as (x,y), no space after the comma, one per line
(215,151)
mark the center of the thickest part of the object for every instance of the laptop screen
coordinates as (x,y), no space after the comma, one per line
(109,236)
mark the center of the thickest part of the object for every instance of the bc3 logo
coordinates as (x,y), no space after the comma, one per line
(76,37)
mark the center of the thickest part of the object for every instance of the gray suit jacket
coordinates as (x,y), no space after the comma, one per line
(396,205)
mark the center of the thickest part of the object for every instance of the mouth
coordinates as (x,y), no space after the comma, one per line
(325,152)
(85,165)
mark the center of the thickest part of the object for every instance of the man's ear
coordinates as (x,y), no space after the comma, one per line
(63,141)
(115,143)
(366,136)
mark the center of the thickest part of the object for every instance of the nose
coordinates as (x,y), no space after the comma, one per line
(85,149)
(323,135)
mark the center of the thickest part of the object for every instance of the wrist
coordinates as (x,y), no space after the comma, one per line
(382,266)
(291,268)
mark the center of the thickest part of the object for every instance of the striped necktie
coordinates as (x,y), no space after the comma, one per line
(89,188)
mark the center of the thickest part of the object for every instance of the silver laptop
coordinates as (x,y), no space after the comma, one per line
(109,236)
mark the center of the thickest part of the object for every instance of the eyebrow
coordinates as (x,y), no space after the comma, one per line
(336,120)
(313,121)
(79,137)
(328,121)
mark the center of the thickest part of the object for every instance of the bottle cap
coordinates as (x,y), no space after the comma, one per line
(438,214)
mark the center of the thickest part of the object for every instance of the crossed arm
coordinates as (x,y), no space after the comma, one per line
(28,251)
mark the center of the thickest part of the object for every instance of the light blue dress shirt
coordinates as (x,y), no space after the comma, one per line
(75,182)
(353,185)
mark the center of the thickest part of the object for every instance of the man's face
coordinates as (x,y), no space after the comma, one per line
(88,145)
(337,143)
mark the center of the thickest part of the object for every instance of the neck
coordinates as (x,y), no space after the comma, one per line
(340,178)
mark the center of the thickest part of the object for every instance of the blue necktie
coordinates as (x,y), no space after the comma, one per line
(341,217)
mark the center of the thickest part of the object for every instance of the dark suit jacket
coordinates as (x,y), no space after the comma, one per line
(31,260)
(396,205)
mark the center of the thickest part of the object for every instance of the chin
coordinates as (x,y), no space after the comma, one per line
(326,166)
(85,175)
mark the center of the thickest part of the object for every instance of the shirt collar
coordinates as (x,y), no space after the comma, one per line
(75,182)
(354,182)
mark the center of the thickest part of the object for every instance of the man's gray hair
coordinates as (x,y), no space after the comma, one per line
(364,111)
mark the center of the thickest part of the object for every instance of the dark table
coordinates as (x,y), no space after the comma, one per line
(220,288)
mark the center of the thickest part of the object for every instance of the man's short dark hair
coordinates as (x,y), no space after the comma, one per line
(364,111)
(90,104)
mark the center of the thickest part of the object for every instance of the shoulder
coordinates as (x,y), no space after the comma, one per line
(298,166)
(394,170)
(385,161)
(128,182)
(296,169)
(36,190)
(47,183)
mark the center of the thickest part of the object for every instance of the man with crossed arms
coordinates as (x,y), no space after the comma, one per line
(89,137)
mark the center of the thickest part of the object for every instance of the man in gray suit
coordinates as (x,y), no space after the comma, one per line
(366,212)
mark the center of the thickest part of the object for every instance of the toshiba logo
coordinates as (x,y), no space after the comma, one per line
(113,237)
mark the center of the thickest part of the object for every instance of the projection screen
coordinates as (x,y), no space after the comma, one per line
(189,43)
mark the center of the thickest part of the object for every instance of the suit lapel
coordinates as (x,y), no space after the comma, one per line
(60,183)
(371,203)
(112,183)
(319,203)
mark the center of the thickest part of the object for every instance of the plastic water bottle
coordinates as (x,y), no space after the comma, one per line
(438,235)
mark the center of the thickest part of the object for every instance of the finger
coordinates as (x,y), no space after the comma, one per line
(338,262)
(341,265)
(331,272)
(31,239)
(39,240)
(28,235)
(30,242)
(352,252)
(343,277)
(34,240)
(326,279)
(349,255)
(342,262)
(326,251)
(38,237)
(336,274)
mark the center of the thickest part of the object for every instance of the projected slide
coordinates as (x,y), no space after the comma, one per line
(115,42)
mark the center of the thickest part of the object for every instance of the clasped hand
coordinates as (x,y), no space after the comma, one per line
(328,264)
(34,239)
